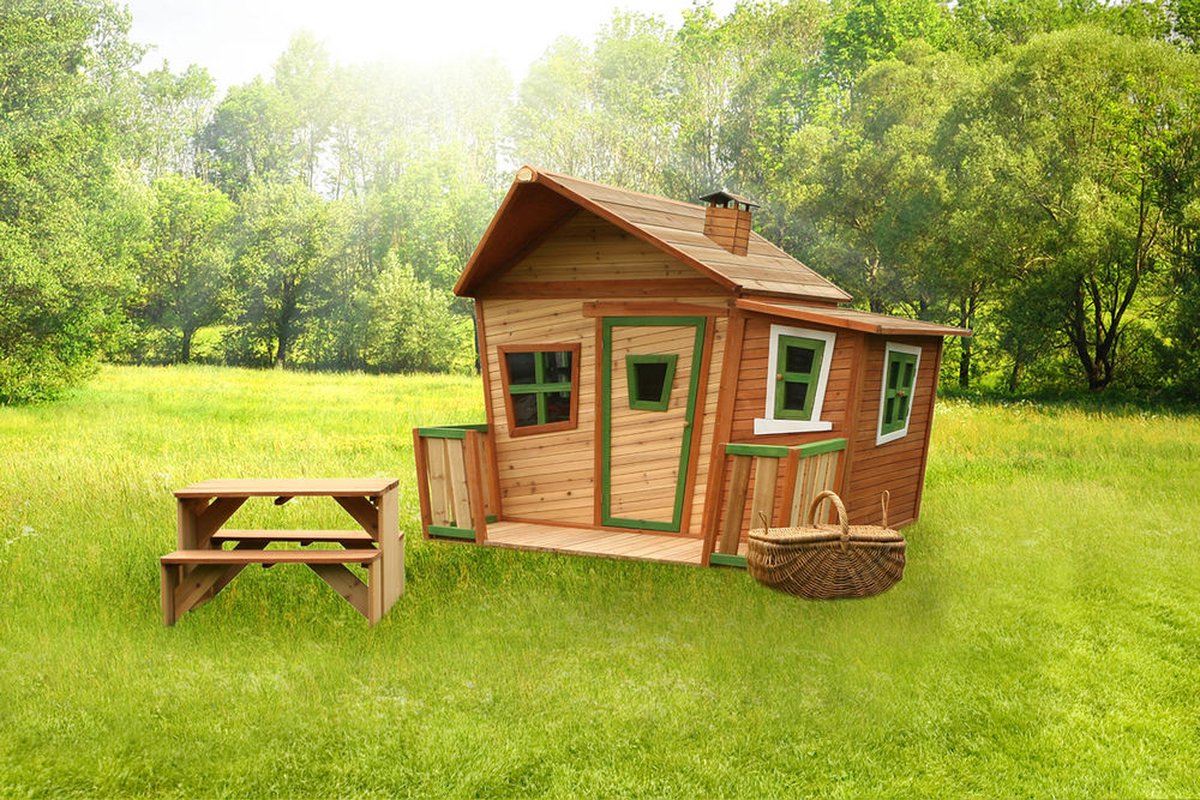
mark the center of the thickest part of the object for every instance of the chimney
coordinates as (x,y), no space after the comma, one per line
(727,221)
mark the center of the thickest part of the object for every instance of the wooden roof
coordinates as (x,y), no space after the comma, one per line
(850,318)
(538,200)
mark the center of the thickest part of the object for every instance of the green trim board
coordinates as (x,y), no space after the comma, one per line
(634,377)
(451,431)
(607,324)
(781,451)
(760,450)
(726,560)
(448,532)
(824,446)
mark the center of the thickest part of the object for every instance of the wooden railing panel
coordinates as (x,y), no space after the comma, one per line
(739,482)
(455,479)
(811,469)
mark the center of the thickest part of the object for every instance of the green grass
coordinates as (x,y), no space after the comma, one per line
(1045,640)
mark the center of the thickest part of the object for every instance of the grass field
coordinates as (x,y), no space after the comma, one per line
(1044,642)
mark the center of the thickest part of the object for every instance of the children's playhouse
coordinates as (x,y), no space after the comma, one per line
(656,373)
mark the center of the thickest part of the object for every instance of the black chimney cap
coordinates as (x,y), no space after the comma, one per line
(724,198)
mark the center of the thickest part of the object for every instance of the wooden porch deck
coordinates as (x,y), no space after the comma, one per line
(582,541)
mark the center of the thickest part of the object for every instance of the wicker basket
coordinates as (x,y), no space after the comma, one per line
(823,561)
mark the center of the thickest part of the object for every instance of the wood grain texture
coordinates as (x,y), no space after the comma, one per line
(288,487)
(898,466)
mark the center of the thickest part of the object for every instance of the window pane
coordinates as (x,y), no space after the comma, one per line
(558,406)
(889,409)
(902,409)
(520,368)
(557,367)
(794,395)
(650,379)
(524,409)
(908,375)
(798,359)
(893,374)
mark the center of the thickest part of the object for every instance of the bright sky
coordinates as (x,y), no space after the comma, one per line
(238,39)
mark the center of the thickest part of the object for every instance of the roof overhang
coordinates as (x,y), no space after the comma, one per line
(536,204)
(849,318)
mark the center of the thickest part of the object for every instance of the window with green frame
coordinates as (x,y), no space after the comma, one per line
(798,369)
(540,387)
(650,379)
(899,378)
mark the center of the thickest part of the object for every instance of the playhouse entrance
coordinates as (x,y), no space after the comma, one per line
(647,405)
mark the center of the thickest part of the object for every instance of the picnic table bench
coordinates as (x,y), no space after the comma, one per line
(201,567)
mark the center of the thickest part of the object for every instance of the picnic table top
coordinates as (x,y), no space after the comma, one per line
(288,487)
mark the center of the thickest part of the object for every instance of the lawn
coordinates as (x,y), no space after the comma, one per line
(1044,642)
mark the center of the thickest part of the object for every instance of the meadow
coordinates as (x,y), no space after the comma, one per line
(1045,641)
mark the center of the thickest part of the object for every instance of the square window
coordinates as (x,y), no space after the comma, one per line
(540,387)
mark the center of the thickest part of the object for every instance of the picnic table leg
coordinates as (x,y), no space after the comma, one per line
(170,581)
(392,545)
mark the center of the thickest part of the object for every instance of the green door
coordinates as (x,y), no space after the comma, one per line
(651,372)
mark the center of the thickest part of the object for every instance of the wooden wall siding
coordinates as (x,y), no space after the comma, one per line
(588,248)
(552,476)
(752,383)
(897,466)
(646,445)
(705,426)
(750,402)
(547,476)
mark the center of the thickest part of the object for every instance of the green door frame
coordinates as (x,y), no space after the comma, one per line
(606,404)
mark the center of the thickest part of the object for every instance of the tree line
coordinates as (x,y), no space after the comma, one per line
(1026,168)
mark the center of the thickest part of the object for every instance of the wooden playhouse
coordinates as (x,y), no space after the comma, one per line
(656,373)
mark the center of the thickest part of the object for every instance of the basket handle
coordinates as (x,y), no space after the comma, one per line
(883,501)
(843,521)
(766,523)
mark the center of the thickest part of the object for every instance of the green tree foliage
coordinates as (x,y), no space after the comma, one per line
(185,266)
(1072,138)
(173,109)
(63,255)
(280,281)
(412,327)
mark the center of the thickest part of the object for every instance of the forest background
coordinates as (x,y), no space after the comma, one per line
(1026,168)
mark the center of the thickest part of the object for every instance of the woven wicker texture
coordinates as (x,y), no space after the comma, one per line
(826,561)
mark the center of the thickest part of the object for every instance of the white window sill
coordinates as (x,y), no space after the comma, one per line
(766,426)
(891,437)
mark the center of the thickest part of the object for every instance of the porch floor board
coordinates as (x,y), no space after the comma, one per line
(581,541)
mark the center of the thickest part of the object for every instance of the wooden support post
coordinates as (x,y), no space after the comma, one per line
(421,456)
(170,582)
(391,543)
(473,451)
(735,507)
(730,368)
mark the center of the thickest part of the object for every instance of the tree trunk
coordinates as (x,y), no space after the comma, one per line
(964,362)
(185,351)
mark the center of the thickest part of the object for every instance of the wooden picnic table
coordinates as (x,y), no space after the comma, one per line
(200,567)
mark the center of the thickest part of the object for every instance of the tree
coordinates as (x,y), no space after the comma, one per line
(252,135)
(173,110)
(412,325)
(290,240)
(186,264)
(1068,141)
(64,263)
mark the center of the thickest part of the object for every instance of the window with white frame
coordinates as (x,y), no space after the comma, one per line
(900,365)
(797,371)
